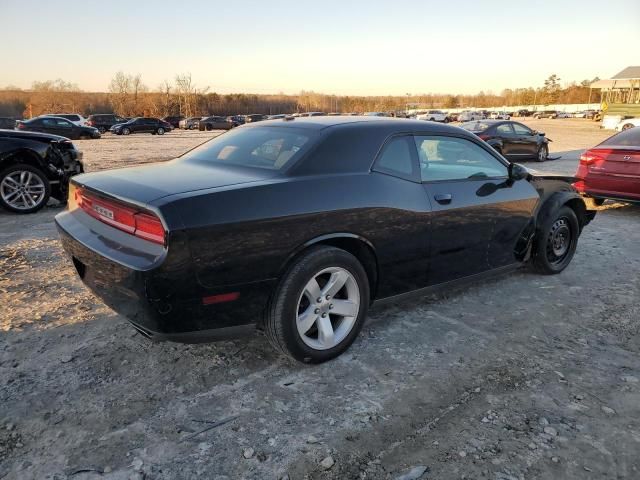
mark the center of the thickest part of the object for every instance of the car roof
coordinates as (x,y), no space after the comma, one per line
(382,123)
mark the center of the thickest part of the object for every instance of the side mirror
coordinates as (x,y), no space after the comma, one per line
(517,172)
(540,133)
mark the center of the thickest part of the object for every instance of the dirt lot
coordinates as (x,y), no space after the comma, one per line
(521,377)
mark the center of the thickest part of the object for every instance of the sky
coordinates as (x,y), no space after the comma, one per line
(375,47)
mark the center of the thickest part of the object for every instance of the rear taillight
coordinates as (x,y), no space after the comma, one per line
(144,225)
(589,157)
(20,126)
(484,137)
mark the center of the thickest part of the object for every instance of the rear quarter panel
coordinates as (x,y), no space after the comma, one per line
(248,234)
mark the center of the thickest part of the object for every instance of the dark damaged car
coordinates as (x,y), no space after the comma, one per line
(297,226)
(34,167)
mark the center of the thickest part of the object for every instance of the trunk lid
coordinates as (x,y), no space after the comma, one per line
(146,183)
(614,171)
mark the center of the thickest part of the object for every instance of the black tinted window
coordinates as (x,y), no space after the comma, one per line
(270,148)
(397,158)
(626,138)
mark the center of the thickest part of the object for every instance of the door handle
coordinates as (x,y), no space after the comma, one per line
(443,198)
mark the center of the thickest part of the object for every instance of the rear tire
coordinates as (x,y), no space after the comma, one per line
(556,241)
(126,131)
(160,131)
(23,189)
(102,130)
(297,322)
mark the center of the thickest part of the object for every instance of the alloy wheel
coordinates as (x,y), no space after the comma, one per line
(328,308)
(22,190)
(542,153)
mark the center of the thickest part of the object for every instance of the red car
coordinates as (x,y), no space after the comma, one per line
(612,169)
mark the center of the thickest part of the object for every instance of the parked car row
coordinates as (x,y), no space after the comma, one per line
(58,126)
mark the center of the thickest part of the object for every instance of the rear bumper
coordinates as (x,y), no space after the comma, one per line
(621,196)
(156,293)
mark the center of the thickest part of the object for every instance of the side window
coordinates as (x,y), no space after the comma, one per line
(521,129)
(452,158)
(397,158)
(504,129)
(61,122)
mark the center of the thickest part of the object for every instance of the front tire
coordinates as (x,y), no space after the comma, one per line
(23,189)
(319,306)
(160,131)
(126,131)
(102,130)
(556,242)
(543,153)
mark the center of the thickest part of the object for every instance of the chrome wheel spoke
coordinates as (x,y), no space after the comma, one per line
(312,290)
(344,308)
(307,319)
(14,182)
(335,283)
(11,196)
(325,332)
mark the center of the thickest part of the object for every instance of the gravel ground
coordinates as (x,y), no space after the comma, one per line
(520,377)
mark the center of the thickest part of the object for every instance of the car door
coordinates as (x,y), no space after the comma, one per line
(527,140)
(403,262)
(150,125)
(508,139)
(140,126)
(478,212)
(46,125)
(66,128)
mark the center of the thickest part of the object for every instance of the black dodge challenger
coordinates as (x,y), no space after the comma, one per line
(296,226)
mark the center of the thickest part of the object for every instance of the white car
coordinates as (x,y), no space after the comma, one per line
(469,116)
(628,123)
(74,118)
(433,116)
(499,116)
(563,115)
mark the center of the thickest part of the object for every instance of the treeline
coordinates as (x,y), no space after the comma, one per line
(128,96)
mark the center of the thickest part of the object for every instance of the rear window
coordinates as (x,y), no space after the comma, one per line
(626,138)
(475,126)
(259,147)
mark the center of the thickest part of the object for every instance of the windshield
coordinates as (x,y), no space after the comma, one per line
(271,148)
